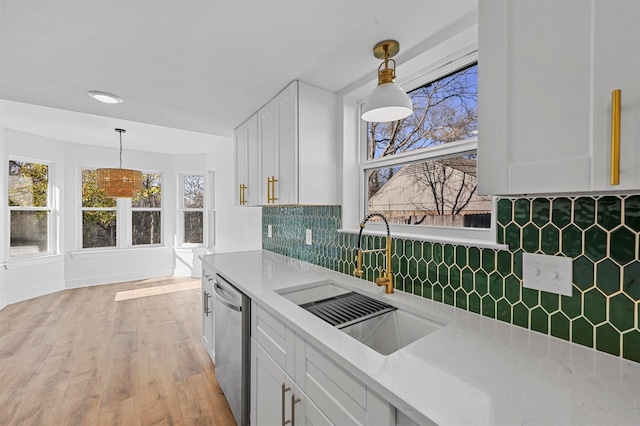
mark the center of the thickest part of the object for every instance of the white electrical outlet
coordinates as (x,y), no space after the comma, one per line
(269,231)
(553,274)
(308,238)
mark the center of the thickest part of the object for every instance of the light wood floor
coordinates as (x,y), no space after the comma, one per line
(78,357)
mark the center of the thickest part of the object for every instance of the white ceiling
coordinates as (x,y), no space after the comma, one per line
(202,66)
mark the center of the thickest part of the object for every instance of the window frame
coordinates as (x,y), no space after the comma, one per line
(210,214)
(52,234)
(124,217)
(462,235)
(182,210)
(148,209)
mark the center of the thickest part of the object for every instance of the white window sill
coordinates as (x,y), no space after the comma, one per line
(434,239)
(95,253)
(32,261)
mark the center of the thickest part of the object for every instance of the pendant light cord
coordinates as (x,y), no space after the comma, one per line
(120,131)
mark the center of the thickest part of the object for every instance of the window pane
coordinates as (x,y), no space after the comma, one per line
(98,229)
(193,192)
(28,184)
(91,195)
(29,232)
(146,227)
(193,227)
(440,192)
(445,110)
(150,196)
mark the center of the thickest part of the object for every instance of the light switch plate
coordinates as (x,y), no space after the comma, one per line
(308,238)
(269,231)
(553,274)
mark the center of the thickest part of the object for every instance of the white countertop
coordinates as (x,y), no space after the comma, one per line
(475,370)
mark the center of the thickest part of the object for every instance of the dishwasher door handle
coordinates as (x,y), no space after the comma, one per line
(220,293)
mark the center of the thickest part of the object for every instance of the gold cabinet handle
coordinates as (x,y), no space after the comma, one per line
(271,189)
(294,401)
(243,199)
(615,136)
(284,390)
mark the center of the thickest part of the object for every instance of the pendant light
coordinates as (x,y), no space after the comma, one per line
(119,183)
(387,102)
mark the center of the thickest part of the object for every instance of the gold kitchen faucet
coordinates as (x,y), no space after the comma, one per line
(384,279)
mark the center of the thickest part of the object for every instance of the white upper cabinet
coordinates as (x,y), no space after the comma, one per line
(547,70)
(247,188)
(297,152)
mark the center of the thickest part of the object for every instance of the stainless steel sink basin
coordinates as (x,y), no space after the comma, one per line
(391,331)
(379,325)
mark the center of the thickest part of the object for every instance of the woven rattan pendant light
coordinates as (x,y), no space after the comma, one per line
(119,183)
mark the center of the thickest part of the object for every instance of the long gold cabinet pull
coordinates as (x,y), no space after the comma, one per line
(294,401)
(271,189)
(243,199)
(615,136)
(285,389)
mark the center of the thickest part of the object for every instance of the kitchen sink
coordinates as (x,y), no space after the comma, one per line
(377,324)
(391,331)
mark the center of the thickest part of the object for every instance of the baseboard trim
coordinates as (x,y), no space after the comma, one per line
(32,292)
(111,279)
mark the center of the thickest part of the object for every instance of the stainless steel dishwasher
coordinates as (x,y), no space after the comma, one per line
(233,321)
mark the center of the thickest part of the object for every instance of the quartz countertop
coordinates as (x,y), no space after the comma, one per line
(474,370)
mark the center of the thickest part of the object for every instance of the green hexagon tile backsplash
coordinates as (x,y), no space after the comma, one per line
(600,234)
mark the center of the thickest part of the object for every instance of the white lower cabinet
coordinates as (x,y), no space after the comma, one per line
(208,318)
(292,382)
(275,397)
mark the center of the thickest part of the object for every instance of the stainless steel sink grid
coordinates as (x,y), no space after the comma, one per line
(347,309)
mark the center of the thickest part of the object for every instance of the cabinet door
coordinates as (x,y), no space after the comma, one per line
(242,165)
(270,389)
(267,128)
(287,152)
(252,192)
(278,124)
(339,395)
(246,138)
(534,97)
(208,329)
(547,70)
(616,66)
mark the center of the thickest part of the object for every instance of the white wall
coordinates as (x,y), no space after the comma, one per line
(3,236)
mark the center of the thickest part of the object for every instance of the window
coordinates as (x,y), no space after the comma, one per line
(108,222)
(29,208)
(192,207)
(99,214)
(146,211)
(421,171)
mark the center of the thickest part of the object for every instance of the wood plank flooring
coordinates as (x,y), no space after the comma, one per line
(78,357)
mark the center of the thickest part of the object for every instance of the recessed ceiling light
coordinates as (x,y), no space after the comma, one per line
(105,97)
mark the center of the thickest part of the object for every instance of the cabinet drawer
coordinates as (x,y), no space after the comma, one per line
(274,336)
(339,395)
